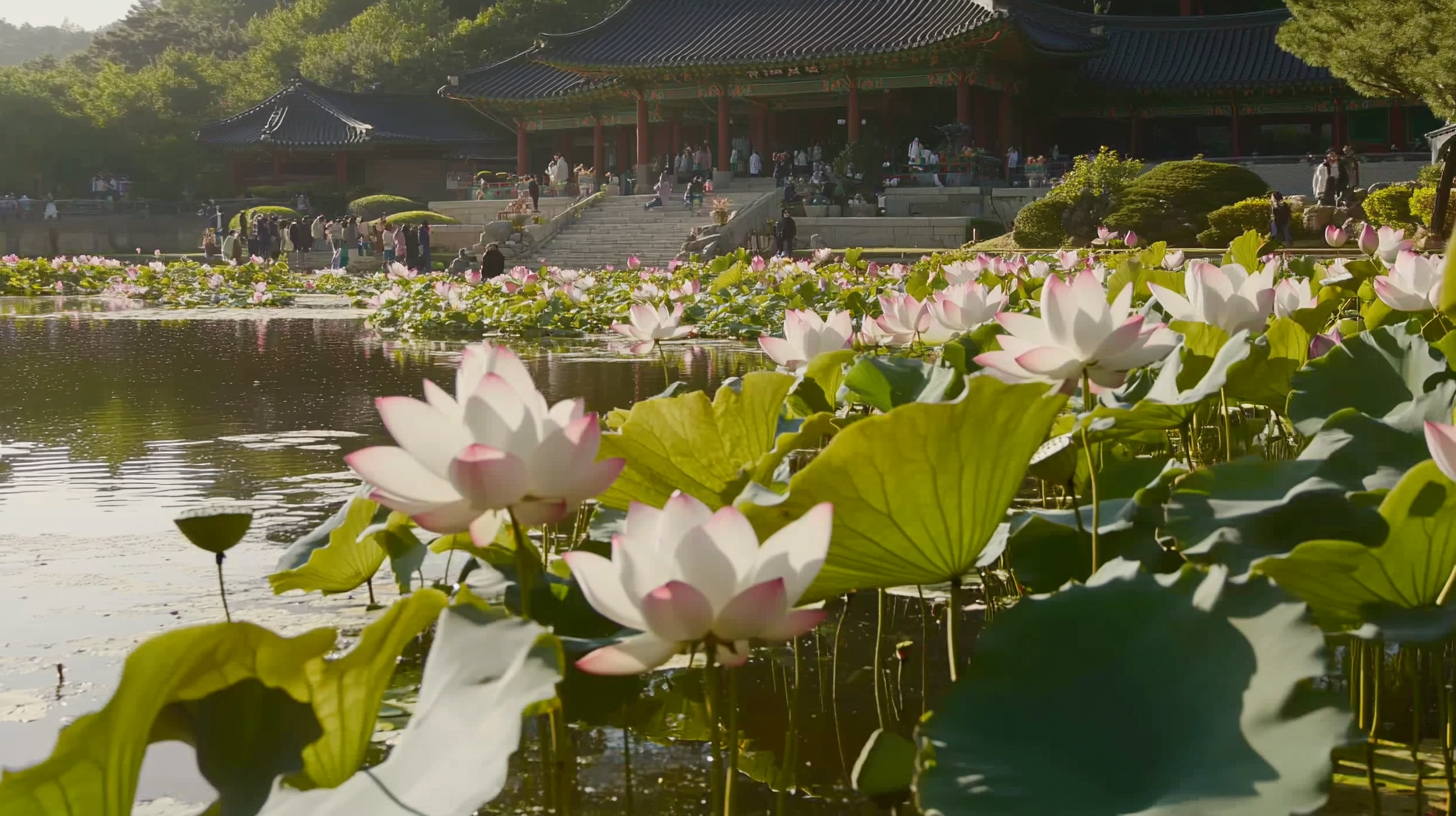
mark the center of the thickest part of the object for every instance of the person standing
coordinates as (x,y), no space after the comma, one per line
(785,231)
(316,235)
(533,189)
(341,240)
(51,213)
(1349,170)
(1327,180)
(295,243)
(492,263)
(230,246)
(411,247)
(427,261)
(1280,215)
(694,197)
(286,234)
(1013,160)
(390,238)
(755,164)
(781,169)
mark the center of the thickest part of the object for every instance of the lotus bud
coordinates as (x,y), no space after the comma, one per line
(1322,344)
(1335,236)
(1131,239)
(1369,240)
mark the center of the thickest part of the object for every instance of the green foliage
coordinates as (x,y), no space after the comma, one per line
(1039,224)
(1227,223)
(1383,48)
(1163,691)
(285,213)
(420,217)
(24,42)
(378,206)
(349,560)
(1106,174)
(1172,201)
(1423,208)
(1391,207)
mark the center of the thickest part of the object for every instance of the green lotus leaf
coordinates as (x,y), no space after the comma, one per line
(888,382)
(1245,251)
(351,514)
(1156,695)
(705,449)
(454,754)
(348,561)
(918,492)
(1390,589)
(1158,404)
(886,765)
(818,390)
(215,529)
(1376,372)
(1263,377)
(960,353)
(406,553)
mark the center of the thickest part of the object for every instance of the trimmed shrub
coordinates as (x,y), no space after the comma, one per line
(984,229)
(377,206)
(1391,207)
(1106,174)
(1227,223)
(281,212)
(421,217)
(1039,224)
(1172,201)
(1423,206)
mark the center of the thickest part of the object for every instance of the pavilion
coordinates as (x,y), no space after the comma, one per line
(658,74)
(309,136)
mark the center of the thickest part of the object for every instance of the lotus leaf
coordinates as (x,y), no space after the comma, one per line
(1375,372)
(889,382)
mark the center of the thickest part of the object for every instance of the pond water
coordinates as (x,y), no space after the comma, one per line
(109,426)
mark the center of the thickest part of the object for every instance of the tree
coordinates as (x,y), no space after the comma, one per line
(1384,48)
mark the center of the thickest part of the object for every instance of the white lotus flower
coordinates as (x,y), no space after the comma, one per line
(1391,243)
(495,446)
(1038,269)
(807,336)
(1069,259)
(1227,297)
(1291,295)
(684,575)
(1078,331)
(1411,285)
(650,326)
(966,306)
(903,316)
(1441,443)
(962,271)
(1173,261)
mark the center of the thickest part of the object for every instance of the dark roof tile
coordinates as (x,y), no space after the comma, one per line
(520,78)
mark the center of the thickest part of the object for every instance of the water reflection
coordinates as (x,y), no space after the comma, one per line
(107,427)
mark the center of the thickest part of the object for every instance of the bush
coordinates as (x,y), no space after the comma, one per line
(281,212)
(1172,201)
(1227,223)
(378,206)
(1423,206)
(984,229)
(1390,207)
(1039,224)
(1429,176)
(1106,174)
(421,217)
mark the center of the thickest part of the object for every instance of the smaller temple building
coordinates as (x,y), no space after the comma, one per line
(307,136)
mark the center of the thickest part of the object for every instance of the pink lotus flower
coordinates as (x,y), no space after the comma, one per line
(1291,295)
(1173,261)
(807,336)
(903,317)
(1104,236)
(1069,259)
(958,272)
(758,264)
(651,326)
(634,262)
(1078,332)
(963,307)
(495,446)
(1412,284)
(1441,442)
(689,289)
(683,575)
(1038,269)
(473,276)
(1322,344)
(1130,240)
(215,281)
(823,255)
(872,270)
(60,287)
(1335,236)
(1227,297)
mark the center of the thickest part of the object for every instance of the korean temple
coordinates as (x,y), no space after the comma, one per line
(307,135)
(656,75)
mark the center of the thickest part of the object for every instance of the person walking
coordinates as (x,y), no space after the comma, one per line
(663,190)
(693,198)
(492,263)
(376,239)
(285,240)
(230,246)
(341,240)
(316,235)
(1328,180)
(411,247)
(533,189)
(296,242)
(781,169)
(785,231)
(1349,170)
(393,244)
(1280,214)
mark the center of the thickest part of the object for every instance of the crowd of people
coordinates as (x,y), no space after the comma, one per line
(1336,176)
(271,237)
(106,187)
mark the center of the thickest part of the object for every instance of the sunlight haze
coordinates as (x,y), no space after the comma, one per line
(88,14)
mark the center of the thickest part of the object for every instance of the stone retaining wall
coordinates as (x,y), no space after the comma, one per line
(926,233)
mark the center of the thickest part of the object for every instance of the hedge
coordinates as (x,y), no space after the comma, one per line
(281,212)
(1039,224)
(1227,223)
(1391,207)
(377,206)
(1172,201)
(421,217)
(1423,206)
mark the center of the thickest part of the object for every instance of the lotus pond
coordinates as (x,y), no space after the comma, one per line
(1102,534)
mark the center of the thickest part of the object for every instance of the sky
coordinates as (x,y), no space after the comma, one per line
(88,14)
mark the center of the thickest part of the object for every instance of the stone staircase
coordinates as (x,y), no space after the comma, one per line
(617,228)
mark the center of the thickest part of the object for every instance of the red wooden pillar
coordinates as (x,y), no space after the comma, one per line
(644,133)
(1185,8)
(981,135)
(1397,126)
(1234,146)
(599,149)
(621,149)
(523,151)
(963,101)
(725,143)
(1003,122)
(854,116)
(341,169)
(277,169)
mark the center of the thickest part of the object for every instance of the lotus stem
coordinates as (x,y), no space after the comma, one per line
(791,745)
(732,771)
(1446,590)
(1416,716)
(879,655)
(1443,707)
(222,589)
(1096,505)
(662,357)
(1228,438)
(1377,651)
(626,762)
(834,688)
(525,566)
(370,584)
(924,652)
(950,616)
(715,741)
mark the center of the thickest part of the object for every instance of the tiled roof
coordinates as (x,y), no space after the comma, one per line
(681,33)
(520,78)
(305,114)
(1198,53)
